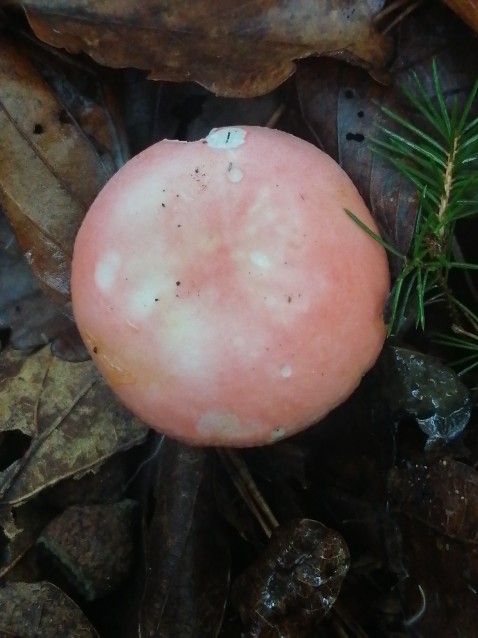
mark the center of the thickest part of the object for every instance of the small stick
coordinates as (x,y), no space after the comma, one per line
(247,488)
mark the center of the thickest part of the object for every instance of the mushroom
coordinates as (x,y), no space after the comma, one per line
(222,290)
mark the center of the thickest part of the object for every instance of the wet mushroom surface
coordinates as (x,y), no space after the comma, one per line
(223,291)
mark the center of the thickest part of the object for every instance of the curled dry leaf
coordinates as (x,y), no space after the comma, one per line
(294,583)
(41,609)
(343,108)
(235,49)
(50,172)
(73,419)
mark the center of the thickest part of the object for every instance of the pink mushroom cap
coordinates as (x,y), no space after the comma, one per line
(222,290)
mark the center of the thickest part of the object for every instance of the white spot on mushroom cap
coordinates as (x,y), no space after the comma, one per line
(260,212)
(218,423)
(190,336)
(146,295)
(286,371)
(277,434)
(221,425)
(258,258)
(272,302)
(228,137)
(234,173)
(141,189)
(106,270)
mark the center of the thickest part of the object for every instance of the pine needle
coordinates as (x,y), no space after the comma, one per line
(440,157)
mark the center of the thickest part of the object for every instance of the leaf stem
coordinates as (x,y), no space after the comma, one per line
(447,184)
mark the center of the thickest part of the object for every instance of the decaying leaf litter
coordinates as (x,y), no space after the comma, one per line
(390,480)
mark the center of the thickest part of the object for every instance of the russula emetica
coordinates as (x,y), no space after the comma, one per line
(222,290)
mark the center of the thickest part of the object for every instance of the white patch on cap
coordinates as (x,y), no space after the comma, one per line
(271,302)
(286,371)
(222,426)
(218,424)
(106,270)
(234,173)
(189,337)
(262,212)
(277,434)
(260,259)
(146,296)
(229,137)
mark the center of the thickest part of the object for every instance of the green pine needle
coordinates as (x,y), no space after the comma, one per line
(441,159)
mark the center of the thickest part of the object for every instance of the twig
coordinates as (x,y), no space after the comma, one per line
(247,488)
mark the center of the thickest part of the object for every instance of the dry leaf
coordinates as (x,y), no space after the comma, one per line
(20,528)
(343,107)
(16,280)
(92,546)
(467,10)
(240,49)
(186,583)
(50,172)
(31,318)
(295,581)
(438,580)
(435,35)
(442,494)
(74,420)
(42,610)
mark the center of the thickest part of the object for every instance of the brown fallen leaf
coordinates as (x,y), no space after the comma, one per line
(21,527)
(20,555)
(50,171)
(443,495)
(73,419)
(438,582)
(41,609)
(31,318)
(92,546)
(187,558)
(342,105)
(236,49)
(467,10)
(34,321)
(436,35)
(295,581)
